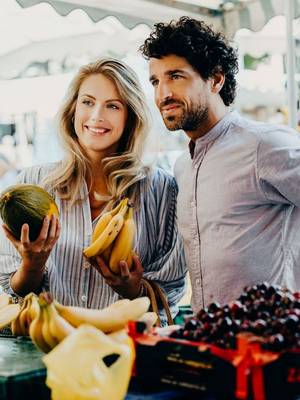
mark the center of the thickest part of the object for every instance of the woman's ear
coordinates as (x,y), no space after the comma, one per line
(217,82)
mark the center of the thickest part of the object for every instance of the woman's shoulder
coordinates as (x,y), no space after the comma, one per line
(158,176)
(159,180)
(36,173)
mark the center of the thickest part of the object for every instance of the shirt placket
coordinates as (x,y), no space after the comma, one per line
(197,268)
(84,298)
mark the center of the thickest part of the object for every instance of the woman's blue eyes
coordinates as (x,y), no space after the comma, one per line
(87,102)
(90,103)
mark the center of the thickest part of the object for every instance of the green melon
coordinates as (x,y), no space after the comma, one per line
(26,204)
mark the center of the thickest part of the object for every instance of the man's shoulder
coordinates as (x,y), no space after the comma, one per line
(265,132)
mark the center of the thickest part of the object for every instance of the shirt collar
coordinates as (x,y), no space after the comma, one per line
(216,131)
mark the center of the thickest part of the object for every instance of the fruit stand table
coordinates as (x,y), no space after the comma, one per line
(23,374)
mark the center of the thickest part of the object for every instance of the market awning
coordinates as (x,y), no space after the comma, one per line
(228,15)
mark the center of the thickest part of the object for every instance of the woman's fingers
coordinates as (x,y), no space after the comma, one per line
(136,263)
(103,268)
(25,235)
(53,232)
(124,270)
(44,231)
(52,228)
(58,230)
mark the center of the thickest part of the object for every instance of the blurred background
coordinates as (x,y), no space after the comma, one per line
(43,44)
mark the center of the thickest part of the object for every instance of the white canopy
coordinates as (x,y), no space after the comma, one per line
(119,26)
(229,15)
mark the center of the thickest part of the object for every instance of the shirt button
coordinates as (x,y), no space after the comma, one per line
(197,281)
(84,298)
(193,203)
(86,264)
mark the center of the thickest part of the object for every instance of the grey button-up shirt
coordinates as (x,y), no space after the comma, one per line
(238,208)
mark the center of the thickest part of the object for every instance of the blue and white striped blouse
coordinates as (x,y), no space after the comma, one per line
(68,275)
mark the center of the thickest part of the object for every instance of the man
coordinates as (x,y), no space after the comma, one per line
(239,184)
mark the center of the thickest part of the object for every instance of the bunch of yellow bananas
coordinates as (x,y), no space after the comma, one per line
(113,236)
(53,321)
(28,311)
(48,328)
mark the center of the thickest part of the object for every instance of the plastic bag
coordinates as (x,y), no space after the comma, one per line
(76,369)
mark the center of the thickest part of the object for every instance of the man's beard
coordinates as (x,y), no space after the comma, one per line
(189,121)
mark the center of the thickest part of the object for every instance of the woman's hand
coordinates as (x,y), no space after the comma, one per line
(35,254)
(128,283)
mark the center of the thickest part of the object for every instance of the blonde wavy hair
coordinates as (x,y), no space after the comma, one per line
(124,168)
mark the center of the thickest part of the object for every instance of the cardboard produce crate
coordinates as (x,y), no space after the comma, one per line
(246,373)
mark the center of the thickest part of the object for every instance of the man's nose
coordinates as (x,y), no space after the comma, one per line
(163,92)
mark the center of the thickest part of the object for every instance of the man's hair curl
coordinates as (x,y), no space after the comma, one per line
(208,52)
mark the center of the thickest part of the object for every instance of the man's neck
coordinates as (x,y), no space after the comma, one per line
(214,116)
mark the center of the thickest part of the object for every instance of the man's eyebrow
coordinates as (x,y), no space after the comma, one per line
(175,71)
(169,73)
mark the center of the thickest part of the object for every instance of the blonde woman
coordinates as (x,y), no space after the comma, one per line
(103,126)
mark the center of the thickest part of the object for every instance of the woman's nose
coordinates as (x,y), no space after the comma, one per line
(97,114)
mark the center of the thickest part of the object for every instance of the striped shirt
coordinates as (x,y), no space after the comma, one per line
(69,277)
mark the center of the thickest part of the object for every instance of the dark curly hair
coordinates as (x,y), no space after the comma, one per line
(206,51)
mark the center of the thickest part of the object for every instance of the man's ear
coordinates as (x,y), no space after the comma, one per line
(217,82)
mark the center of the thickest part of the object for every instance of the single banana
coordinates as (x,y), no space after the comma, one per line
(46,332)
(33,308)
(118,226)
(24,321)
(108,319)
(118,304)
(5,300)
(122,246)
(106,237)
(58,326)
(149,318)
(16,328)
(105,219)
(106,253)
(8,314)
(20,326)
(35,332)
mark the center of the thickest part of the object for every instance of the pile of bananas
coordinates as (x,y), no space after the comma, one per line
(48,322)
(113,236)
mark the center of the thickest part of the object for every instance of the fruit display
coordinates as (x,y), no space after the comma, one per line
(267,311)
(113,236)
(26,204)
(48,322)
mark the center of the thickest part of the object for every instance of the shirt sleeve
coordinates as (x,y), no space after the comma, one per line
(278,167)
(166,262)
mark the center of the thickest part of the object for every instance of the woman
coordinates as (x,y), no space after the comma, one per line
(103,126)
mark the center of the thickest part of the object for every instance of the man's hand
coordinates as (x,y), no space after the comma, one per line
(128,283)
(35,254)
